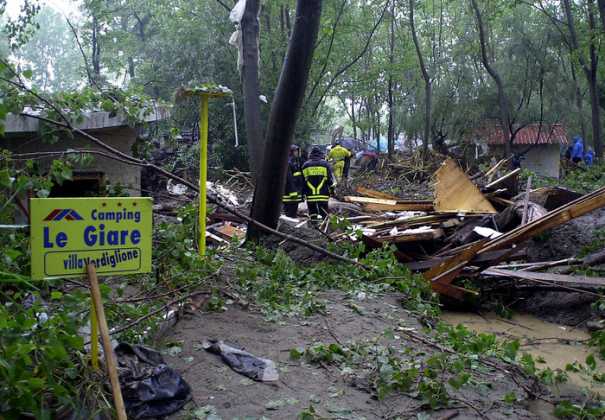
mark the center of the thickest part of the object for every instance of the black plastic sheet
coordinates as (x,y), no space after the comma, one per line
(150,388)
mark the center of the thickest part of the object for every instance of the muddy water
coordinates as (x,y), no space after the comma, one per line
(537,337)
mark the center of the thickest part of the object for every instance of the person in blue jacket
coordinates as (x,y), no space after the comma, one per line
(589,157)
(577,152)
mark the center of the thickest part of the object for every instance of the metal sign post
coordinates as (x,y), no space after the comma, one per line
(204,93)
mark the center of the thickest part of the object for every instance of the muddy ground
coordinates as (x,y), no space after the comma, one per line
(334,394)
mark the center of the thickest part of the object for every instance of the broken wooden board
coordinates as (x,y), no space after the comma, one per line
(375,194)
(486,258)
(370,200)
(401,206)
(454,192)
(503,180)
(427,235)
(228,231)
(445,272)
(552,198)
(585,281)
(552,219)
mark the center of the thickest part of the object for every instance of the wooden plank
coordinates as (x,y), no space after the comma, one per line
(552,219)
(375,194)
(454,192)
(354,199)
(550,277)
(503,179)
(487,257)
(412,237)
(448,270)
(401,206)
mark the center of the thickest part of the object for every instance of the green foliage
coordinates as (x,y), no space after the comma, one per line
(280,286)
(585,180)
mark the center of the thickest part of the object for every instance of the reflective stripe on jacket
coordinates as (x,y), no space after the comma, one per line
(318,180)
(294,182)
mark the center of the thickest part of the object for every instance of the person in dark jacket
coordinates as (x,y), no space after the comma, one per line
(294,183)
(319,183)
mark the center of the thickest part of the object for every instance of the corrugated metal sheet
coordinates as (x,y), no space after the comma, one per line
(532,134)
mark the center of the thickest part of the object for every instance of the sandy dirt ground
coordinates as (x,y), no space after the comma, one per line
(335,394)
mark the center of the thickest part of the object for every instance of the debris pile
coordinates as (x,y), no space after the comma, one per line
(470,227)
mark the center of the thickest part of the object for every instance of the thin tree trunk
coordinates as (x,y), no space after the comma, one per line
(250,84)
(353,120)
(503,101)
(391,129)
(96,50)
(428,91)
(285,108)
(578,94)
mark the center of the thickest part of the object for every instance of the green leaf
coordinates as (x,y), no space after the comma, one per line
(27,74)
(510,398)
(591,362)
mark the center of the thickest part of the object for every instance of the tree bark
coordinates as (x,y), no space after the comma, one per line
(250,84)
(590,70)
(353,119)
(428,90)
(503,101)
(285,108)
(96,50)
(391,129)
(602,13)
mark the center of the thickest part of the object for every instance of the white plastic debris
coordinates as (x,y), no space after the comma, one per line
(223,193)
(237,13)
(175,188)
(486,232)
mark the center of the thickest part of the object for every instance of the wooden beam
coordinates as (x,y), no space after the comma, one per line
(550,277)
(354,199)
(401,206)
(375,194)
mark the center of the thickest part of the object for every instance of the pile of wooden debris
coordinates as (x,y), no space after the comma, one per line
(471,226)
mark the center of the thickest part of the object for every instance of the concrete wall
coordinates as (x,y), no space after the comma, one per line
(542,159)
(122,138)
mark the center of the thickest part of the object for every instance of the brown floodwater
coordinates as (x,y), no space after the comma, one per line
(538,338)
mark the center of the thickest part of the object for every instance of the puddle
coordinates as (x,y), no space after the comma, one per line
(538,338)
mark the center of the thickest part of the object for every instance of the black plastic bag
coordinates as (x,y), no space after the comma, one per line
(150,388)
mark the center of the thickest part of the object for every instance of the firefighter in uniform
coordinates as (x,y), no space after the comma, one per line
(338,156)
(319,183)
(294,183)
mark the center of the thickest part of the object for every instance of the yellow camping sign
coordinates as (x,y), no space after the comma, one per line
(69,233)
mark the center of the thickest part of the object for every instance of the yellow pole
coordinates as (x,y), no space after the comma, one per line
(203,170)
(94,337)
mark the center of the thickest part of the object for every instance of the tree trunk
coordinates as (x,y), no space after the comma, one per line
(428,91)
(391,129)
(602,13)
(590,70)
(285,108)
(503,101)
(96,50)
(250,84)
(353,119)
(578,94)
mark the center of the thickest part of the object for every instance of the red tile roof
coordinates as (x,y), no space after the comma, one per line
(548,134)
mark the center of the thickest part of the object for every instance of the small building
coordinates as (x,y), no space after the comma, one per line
(22,136)
(539,144)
